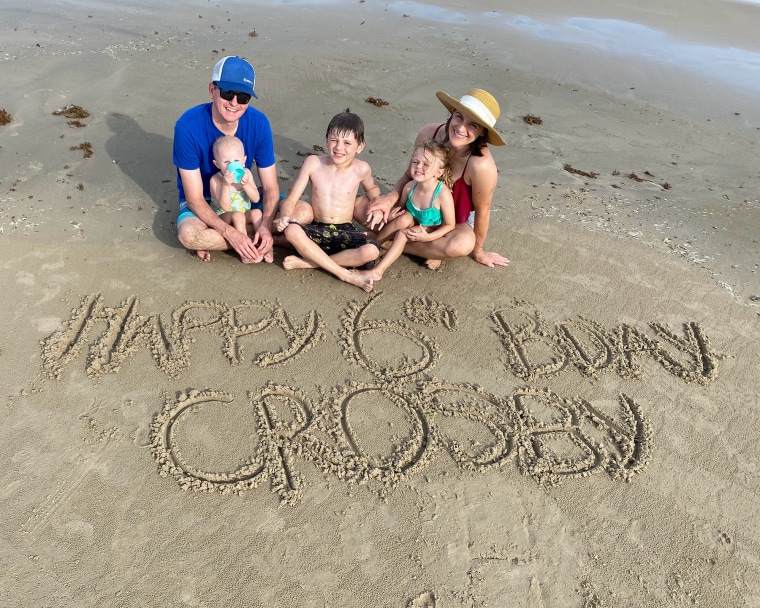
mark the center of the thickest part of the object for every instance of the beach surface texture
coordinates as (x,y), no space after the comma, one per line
(578,429)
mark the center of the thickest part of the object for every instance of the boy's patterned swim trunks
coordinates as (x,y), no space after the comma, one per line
(333,238)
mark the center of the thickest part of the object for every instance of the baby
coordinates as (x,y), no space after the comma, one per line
(236,201)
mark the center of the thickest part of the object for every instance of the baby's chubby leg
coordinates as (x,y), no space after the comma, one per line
(237,219)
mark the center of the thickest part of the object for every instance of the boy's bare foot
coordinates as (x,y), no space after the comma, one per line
(292,262)
(373,274)
(269,257)
(433,264)
(360,279)
(203,255)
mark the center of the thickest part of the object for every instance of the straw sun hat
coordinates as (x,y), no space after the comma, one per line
(480,106)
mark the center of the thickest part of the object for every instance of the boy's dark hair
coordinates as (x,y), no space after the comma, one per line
(347,122)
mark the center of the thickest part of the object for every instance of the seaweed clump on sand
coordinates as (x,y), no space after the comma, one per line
(532,120)
(86,147)
(5,117)
(573,170)
(72,111)
(376,101)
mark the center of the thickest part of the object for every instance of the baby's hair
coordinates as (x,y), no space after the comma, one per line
(441,152)
(225,141)
(347,122)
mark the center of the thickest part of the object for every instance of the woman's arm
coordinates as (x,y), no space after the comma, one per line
(483,177)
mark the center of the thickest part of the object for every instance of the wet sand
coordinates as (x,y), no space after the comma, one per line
(577,429)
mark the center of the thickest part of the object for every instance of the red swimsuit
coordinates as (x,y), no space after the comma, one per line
(462,193)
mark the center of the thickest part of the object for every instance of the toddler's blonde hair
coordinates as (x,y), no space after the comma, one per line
(441,152)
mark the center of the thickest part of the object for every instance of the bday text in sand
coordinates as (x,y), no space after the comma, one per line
(547,436)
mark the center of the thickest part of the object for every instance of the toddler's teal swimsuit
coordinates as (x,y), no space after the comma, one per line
(425,217)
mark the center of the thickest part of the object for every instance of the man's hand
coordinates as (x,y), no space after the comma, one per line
(245,247)
(263,242)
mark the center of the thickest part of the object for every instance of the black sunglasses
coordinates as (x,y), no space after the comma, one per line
(228,95)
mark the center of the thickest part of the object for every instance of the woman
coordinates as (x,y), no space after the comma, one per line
(467,133)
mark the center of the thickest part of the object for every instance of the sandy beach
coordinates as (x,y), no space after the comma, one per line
(578,429)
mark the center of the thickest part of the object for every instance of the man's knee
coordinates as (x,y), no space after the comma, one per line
(186,234)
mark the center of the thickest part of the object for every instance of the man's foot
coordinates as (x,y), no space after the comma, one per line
(203,255)
(433,264)
(293,262)
(360,279)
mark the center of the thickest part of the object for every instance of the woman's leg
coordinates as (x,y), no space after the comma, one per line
(457,243)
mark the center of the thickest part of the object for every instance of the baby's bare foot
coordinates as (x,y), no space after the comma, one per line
(433,264)
(203,255)
(292,262)
(269,257)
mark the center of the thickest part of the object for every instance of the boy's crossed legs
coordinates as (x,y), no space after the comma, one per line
(337,248)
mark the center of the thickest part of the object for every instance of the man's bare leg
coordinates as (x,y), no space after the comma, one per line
(198,237)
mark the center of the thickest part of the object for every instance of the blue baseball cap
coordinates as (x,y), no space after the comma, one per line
(235,74)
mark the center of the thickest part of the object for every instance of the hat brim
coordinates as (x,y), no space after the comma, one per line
(236,86)
(493,137)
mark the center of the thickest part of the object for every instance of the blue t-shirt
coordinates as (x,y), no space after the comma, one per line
(195,133)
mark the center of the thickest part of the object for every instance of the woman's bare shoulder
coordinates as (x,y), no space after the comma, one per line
(483,162)
(428,131)
(481,168)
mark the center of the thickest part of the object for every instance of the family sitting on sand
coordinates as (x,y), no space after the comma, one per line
(439,209)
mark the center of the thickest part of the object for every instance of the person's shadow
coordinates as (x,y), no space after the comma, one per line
(146,158)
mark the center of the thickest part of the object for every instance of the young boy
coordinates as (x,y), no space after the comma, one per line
(331,242)
(234,198)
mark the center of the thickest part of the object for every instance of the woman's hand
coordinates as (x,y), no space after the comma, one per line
(381,211)
(490,258)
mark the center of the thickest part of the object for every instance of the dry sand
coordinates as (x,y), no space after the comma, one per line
(578,429)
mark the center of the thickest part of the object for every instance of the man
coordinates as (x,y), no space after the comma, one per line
(198,226)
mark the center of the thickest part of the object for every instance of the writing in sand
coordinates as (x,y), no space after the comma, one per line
(547,436)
